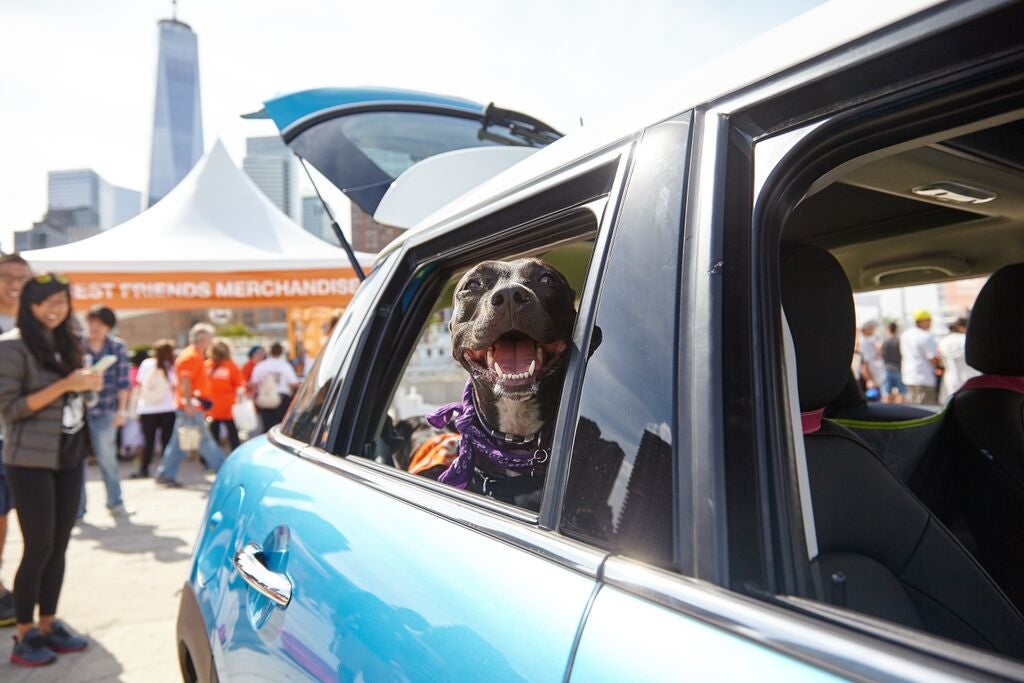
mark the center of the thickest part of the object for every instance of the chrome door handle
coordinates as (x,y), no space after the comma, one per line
(276,586)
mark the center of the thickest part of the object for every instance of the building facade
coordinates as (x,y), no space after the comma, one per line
(177,116)
(274,169)
(80,204)
(315,220)
(367,234)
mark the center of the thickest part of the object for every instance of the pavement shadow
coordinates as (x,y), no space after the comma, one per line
(92,665)
(130,538)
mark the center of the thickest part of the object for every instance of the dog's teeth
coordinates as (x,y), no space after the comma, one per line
(540,356)
(490,357)
(533,368)
(497,369)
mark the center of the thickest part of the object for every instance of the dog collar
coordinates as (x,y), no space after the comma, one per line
(505,437)
(475,439)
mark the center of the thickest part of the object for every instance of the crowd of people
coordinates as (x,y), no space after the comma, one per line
(913,366)
(67,393)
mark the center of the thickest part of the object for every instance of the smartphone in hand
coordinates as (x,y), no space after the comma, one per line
(102,364)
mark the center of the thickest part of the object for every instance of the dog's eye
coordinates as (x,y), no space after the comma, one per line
(546,279)
(473,285)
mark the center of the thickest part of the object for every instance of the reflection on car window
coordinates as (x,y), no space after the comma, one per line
(619,492)
(394,141)
(304,414)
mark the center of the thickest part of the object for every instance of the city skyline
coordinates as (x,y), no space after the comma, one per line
(253,51)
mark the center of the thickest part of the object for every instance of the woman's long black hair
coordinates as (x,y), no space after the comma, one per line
(61,349)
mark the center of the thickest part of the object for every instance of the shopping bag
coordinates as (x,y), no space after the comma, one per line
(189,437)
(244,415)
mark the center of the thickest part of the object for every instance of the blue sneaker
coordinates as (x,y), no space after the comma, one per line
(32,651)
(7,609)
(61,640)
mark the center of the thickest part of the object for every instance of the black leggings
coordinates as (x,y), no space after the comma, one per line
(47,502)
(232,432)
(150,423)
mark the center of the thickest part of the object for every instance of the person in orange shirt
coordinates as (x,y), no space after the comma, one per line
(191,397)
(225,381)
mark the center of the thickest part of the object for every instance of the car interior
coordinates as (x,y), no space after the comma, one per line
(430,377)
(916,522)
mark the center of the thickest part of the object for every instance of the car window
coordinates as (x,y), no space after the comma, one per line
(303,416)
(619,491)
(899,338)
(420,429)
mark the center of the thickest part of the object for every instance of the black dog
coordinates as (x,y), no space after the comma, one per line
(511,328)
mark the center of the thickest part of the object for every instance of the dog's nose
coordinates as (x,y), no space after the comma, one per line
(517,294)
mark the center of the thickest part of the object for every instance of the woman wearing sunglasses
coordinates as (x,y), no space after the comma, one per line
(43,411)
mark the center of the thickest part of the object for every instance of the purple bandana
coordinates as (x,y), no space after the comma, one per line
(474,439)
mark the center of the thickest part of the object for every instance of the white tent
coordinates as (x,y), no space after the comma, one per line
(215,220)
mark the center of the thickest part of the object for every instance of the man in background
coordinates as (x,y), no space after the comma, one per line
(14,273)
(872,368)
(953,352)
(893,389)
(111,408)
(921,361)
(191,397)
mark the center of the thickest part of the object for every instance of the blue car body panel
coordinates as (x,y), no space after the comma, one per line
(630,639)
(234,493)
(385,591)
(286,110)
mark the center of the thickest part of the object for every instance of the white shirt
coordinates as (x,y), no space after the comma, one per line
(918,347)
(278,367)
(953,350)
(871,353)
(167,405)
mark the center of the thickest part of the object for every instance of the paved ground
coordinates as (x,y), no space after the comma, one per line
(122,583)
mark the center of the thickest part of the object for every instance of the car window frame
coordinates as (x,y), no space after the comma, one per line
(826,134)
(568,191)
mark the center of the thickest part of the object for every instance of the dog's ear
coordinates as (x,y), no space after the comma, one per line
(595,340)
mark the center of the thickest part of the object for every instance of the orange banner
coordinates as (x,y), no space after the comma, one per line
(257,289)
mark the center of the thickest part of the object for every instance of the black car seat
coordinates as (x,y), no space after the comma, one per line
(880,551)
(988,419)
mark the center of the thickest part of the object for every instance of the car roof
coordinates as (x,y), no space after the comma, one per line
(813,34)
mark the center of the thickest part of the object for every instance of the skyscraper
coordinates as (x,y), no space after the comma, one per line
(177,116)
(315,220)
(274,169)
(83,187)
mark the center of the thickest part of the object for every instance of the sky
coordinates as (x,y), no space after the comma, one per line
(77,79)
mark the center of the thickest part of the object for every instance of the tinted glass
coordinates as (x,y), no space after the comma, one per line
(304,414)
(362,153)
(619,491)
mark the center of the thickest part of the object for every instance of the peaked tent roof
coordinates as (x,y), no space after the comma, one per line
(215,220)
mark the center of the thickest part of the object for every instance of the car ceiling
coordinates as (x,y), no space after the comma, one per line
(884,235)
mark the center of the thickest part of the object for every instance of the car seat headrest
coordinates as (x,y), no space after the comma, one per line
(818,302)
(995,333)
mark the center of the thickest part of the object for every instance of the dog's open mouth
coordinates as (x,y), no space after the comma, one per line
(515,360)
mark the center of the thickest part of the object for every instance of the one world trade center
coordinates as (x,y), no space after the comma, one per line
(177,118)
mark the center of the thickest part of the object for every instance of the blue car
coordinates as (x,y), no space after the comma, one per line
(719,502)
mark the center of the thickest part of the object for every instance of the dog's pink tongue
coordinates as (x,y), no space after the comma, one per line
(514,357)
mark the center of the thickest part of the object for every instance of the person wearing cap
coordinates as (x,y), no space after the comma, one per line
(921,362)
(108,413)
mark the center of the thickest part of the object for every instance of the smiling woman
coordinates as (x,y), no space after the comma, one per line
(41,403)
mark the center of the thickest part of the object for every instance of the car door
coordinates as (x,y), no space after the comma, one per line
(349,569)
